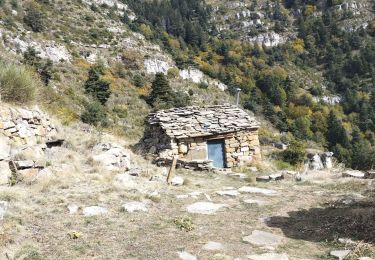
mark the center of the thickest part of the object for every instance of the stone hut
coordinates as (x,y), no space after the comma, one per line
(219,136)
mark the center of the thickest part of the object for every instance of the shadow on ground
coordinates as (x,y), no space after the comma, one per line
(337,220)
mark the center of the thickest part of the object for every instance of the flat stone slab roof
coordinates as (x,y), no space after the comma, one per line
(196,121)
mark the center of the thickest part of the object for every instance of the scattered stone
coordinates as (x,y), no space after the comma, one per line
(365,258)
(158,178)
(4,148)
(135,172)
(213,246)
(346,241)
(125,181)
(135,206)
(248,189)
(239,175)
(253,169)
(231,193)
(186,256)
(206,208)
(261,238)
(354,174)
(254,202)
(277,176)
(268,256)
(112,156)
(182,196)
(5,173)
(3,209)
(208,197)
(94,211)
(340,254)
(26,164)
(177,181)
(73,208)
(264,178)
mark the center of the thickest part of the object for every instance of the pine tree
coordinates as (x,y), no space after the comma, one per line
(97,87)
(336,133)
(161,91)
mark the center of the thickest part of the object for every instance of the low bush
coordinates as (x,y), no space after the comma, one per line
(18,84)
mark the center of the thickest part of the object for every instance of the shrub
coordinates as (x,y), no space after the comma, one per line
(17,84)
(34,18)
(94,114)
(138,81)
(295,153)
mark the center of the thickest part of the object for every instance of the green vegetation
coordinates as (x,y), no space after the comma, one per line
(94,114)
(34,17)
(18,84)
(97,87)
(267,75)
(163,97)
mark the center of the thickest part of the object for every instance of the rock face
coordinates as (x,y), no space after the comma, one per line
(320,161)
(261,238)
(206,208)
(112,156)
(94,211)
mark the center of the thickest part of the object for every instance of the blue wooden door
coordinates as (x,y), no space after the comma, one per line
(216,153)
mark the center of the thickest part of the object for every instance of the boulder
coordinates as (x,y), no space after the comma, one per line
(277,176)
(268,256)
(25,164)
(112,156)
(206,208)
(177,181)
(340,254)
(135,206)
(261,238)
(94,211)
(3,209)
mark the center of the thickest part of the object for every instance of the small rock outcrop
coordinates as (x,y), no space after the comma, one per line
(112,156)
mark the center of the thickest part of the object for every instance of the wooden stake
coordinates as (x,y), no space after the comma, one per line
(172,169)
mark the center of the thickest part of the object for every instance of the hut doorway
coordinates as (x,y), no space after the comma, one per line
(216,151)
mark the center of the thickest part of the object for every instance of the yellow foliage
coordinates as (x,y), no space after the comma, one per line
(298,111)
(309,10)
(81,63)
(145,30)
(175,44)
(66,115)
(298,45)
(143,91)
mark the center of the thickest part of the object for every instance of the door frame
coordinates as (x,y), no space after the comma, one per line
(224,149)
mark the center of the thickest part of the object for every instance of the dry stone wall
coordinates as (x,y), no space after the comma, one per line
(25,126)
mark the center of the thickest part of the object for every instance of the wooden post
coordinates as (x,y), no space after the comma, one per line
(172,169)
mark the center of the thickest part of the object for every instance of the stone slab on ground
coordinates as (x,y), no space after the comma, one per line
(249,189)
(231,193)
(262,238)
(135,206)
(354,174)
(268,256)
(213,246)
(94,211)
(203,207)
(340,254)
(3,208)
(254,202)
(186,256)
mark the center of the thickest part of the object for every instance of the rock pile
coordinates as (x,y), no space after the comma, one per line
(25,126)
(112,156)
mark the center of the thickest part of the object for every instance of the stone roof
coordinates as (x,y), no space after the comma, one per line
(196,121)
